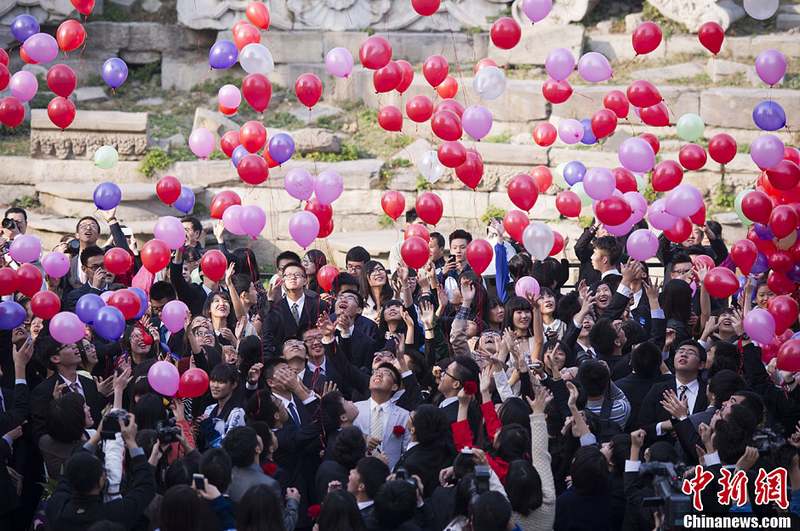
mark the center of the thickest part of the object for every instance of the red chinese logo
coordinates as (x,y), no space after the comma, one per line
(734,487)
(771,487)
(696,485)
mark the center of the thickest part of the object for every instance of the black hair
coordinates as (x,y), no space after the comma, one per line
(620,451)
(701,350)
(459,234)
(223,373)
(331,410)
(90,252)
(513,442)
(162,290)
(732,434)
(466,369)
(594,377)
(17,210)
(602,336)
(349,447)
(251,351)
(610,246)
(439,239)
(149,410)
(241,283)
(515,410)
(430,425)
(344,279)
(589,471)
(216,466)
(259,509)
(241,444)
(398,378)
(411,215)
(549,273)
(395,503)
(753,402)
(260,407)
(286,255)
(298,265)
(676,300)
(520,265)
(679,258)
(340,512)
(373,473)
(316,257)
(145,439)
(490,511)
(523,486)
(357,254)
(725,384)
(244,261)
(634,334)
(357,295)
(270,364)
(65,418)
(386,290)
(182,509)
(646,360)
(196,225)
(83,472)
(715,226)
(568,305)
(663,451)
(181,471)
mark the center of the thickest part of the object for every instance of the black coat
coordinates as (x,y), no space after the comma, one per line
(329,471)
(652,412)
(16,408)
(281,325)
(191,294)
(43,394)
(636,388)
(426,461)
(69,300)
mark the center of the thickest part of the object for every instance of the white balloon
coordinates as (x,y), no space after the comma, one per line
(558,176)
(584,197)
(489,83)
(430,167)
(538,240)
(256,59)
(761,9)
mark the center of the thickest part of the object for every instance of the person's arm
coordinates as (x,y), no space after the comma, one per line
(502,273)
(717,245)
(583,247)
(236,302)
(538,332)
(705,298)
(540,456)
(458,330)
(219,230)
(141,483)
(291,510)
(658,323)
(462,433)
(116,231)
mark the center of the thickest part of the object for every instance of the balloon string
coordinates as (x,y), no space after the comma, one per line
(458,63)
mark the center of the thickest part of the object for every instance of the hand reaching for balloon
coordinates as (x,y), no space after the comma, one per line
(219,229)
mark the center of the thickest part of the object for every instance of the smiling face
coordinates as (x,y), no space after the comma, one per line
(681,270)
(309,266)
(220,307)
(497,315)
(522,319)
(393,313)
(377,277)
(603,296)
(347,304)
(489,341)
(313,341)
(547,304)
(382,380)
(90,352)
(763,295)
(725,322)
(221,390)
(88,232)
(138,344)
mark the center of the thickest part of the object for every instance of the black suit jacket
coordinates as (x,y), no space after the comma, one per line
(69,301)
(652,412)
(426,461)
(636,388)
(16,408)
(43,394)
(191,294)
(280,324)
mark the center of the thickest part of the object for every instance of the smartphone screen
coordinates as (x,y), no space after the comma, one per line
(199,481)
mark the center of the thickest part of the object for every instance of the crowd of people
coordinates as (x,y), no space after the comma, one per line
(400,399)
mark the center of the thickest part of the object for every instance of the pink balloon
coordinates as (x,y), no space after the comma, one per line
(299,183)
(536,10)
(252,220)
(164,377)
(637,155)
(683,201)
(171,231)
(559,63)
(476,121)
(526,286)
(339,62)
(304,228)
(55,264)
(173,315)
(23,85)
(106,295)
(229,96)
(25,248)
(760,326)
(41,47)
(599,183)
(570,131)
(658,217)
(770,66)
(231,220)
(66,328)
(594,67)
(328,186)
(201,142)
(638,205)
(642,245)
(620,230)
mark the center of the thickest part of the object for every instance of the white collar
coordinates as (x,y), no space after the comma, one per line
(285,401)
(384,407)
(77,380)
(322,367)
(447,401)
(363,505)
(693,386)
(614,271)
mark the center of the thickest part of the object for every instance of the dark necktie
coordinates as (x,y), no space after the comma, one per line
(293,413)
(682,392)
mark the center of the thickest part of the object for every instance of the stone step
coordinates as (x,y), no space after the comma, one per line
(14,170)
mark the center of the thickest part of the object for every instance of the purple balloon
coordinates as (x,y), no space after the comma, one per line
(339,62)
(642,245)
(536,10)
(109,323)
(588,135)
(23,26)
(185,202)
(238,153)
(66,328)
(760,326)
(570,131)
(87,307)
(107,195)
(41,47)
(299,184)
(252,220)
(594,67)
(683,201)
(25,248)
(328,186)
(636,155)
(599,183)
(658,217)
(231,220)
(559,63)
(304,228)
(763,231)
(760,265)
(173,316)
(222,55)
(144,301)
(771,66)
(527,286)
(281,147)
(12,314)
(794,276)
(169,229)
(476,121)
(114,72)
(620,230)
(767,151)
(55,264)
(638,205)
(768,115)
(164,378)
(573,172)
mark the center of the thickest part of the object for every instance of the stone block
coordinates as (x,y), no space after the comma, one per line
(590,158)
(151,6)
(183,70)
(140,58)
(632,20)
(787,43)
(685,45)
(511,154)
(719,69)
(669,73)
(214,121)
(464,204)
(344,39)
(320,110)
(294,46)
(544,209)
(730,106)
(522,101)
(416,47)
(85,94)
(316,139)
(615,46)
(787,21)
(24,170)
(537,41)
(694,13)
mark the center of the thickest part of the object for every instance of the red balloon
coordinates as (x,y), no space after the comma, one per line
(447,88)
(308,88)
(646,37)
(785,175)
(568,204)
(652,140)
(452,154)
(711,36)
(429,208)
(155,255)
(45,305)
(253,169)
(390,118)
(782,220)
(325,229)
(425,8)
(783,310)
(446,125)
(616,101)
(25,57)
(757,207)
(213,265)
(702,260)
(5,76)
(125,301)
(790,153)
(744,254)
(118,261)
(3,57)
(168,189)
(699,217)
(642,93)
(257,91)
(84,7)
(222,201)
(613,211)
(62,80)
(680,231)
(505,33)
(8,281)
(70,35)
(515,222)
(604,122)
(393,203)
(544,134)
(375,52)
(667,175)
(722,148)
(194,381)
(779,283)
(253,136)
(542,177)
(479,255)
(556,91)
(780,261)
(419,108)
(471,171)
(415,252)
(387,78)
(483,62)
(61,112)
(522,191)
(227,111)
(450,105)
(326,275)
(258,14)
(11,111)
(558,243)
(721,283)
(29,279)
(408,75)
(692,156)
(418,230)
(229,142)
(626,182)
(656,115)
(765,247)
(324,213)
(245,33)
(435,69)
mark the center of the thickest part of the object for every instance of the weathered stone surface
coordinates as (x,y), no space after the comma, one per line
(127,132)
(544,209)
(416,47)
(604,26)
(730,106)
(213,121)
(376,242)
(537,41)
(85,94)
(511,154)
(151,6)
(316,139)
(787,21)
(616,47)
(294,46)
(319,110)
(140,58)
(669,73)
(693,13)
(150,102)
(12,192)
(563,12)
(719,69)
(632,20)
(184,70)
(590,158)
(24,170)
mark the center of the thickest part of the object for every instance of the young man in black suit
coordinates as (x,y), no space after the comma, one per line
(645,362)
(97,278)
(428,452)
(160,294)
(365,480)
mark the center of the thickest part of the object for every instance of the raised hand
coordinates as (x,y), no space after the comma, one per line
(254,373)
(426,313)
(637,438)
(542,397)
(467,293)
(572,401)
(673,406)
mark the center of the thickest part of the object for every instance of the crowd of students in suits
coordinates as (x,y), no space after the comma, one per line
(430,399)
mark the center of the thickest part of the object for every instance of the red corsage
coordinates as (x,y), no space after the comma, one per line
(269,468)
(314,510)
(470,387)
(398,431)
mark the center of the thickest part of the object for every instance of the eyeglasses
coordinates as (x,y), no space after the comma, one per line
(202,332)
(94,267)
(312,340)
(294,275)
(682,271)
(85,226)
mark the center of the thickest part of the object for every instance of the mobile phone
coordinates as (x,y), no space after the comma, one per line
(199,481)
(535,365)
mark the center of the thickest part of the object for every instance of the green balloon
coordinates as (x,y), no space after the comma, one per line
(690,127)
(558,176)
(737,206)
(641,182)
(106,157)
(578,189)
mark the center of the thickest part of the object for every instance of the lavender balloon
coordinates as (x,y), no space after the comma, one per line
(114,72)
(222,55)
(23,26)
(594,67)
(768,115)
(238,153)
(66,328)
(642,245)
(87,307)
(570,131)
(766,151)
(771,66)
(760,326)
(304,228)
(25,248)
(588,135)
(41,47)
(299,183)
(252,220)
(638,205)
(621,229)
(12,314)
(559,63)
(170,230)
(760,265)
(174,315)
(763,231)
(339,62)
(794,276)
(55,264)
(185,202)
(281,147)
(574,172)
(107,195)
(637,155)
(658,217)
(476,121)
(536,10)
(599,183)
(683,201)
(231,220)
(328,186)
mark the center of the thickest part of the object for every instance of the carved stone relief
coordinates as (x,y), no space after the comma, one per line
(82,144)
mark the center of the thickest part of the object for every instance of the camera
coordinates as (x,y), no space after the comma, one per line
(482,476)
(167,432)
(111,423)
(668,497)
(10,224)
(402,474)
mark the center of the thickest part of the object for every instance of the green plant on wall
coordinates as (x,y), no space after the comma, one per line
(423,184)
(493,212)
(724,196)
(385,222)
(155,159)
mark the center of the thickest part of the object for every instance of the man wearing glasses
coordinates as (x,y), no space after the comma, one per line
(97,278)
(87,233)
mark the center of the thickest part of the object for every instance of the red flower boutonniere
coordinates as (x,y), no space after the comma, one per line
(470,387)
(314,510)
(398,431)
(269,468)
